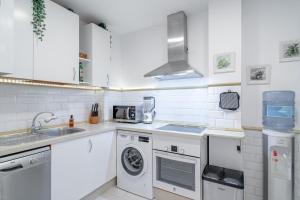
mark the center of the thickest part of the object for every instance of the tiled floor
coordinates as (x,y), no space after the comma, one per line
(118,194)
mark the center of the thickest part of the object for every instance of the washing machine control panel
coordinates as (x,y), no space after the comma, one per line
(143,139)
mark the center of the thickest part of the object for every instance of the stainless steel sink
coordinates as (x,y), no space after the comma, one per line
(20,139)
(38,135)
(54,132)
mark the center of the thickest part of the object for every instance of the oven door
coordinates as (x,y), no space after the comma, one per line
(179,174)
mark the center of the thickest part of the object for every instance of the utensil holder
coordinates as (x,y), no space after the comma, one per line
(94,119)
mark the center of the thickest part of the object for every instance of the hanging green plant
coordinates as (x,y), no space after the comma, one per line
(38,18)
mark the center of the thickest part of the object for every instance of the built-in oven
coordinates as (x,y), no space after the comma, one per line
(177,173)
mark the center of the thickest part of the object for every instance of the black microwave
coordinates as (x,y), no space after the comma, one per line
(129,114)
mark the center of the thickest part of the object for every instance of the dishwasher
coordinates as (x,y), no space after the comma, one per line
(26,175)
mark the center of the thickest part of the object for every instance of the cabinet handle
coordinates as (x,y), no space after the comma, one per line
(74,73)
(107,80)
(91,145)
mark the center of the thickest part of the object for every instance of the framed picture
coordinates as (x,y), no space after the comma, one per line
(224,62)
(290,51)
(259,74)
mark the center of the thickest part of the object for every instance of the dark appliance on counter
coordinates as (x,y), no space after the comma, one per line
(128,114)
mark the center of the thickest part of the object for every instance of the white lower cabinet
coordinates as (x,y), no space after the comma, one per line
(80,166)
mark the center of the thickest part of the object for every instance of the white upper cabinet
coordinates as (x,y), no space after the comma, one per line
(6,36)
(95,41)
(23,54)
(56,56)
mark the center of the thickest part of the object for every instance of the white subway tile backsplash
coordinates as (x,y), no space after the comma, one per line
(191,105)
(213,98)
(7,99)
(211,90)
(216,114)
(224,123)
(219,118)
(19,104)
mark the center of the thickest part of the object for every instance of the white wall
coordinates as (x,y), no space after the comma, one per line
(145,50)
(224,36)
(265,24)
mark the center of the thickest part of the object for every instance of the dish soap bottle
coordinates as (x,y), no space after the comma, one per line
(71,122)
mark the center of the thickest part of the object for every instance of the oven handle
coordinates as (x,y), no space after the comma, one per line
(176,157)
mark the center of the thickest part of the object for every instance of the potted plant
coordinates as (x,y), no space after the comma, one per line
(38,18)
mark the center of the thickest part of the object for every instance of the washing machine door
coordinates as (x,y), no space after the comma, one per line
(133,161)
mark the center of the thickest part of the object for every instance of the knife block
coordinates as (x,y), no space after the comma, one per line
(94,119)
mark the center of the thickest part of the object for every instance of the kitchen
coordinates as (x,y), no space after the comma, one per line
(202,82)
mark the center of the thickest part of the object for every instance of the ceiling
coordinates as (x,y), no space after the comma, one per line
(123,16)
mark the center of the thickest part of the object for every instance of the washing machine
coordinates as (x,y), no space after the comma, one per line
(134,163)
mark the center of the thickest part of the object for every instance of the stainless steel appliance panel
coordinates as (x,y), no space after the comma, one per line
(26,176)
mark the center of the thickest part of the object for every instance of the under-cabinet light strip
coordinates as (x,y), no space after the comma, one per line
(46,84)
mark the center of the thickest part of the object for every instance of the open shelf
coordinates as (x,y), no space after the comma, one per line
(84,60)
(84,83)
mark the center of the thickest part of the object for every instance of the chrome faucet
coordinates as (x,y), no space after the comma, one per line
(34,127)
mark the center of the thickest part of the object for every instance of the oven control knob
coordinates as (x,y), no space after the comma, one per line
(166,148)
(181,151)
(174,189)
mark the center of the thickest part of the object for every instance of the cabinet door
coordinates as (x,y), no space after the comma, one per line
(23,54)
(80,166)
(6,36)
(103,159)
(56,57)
(214,191)
(70,169)
(100,56)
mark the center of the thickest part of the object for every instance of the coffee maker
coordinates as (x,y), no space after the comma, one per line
(148,111)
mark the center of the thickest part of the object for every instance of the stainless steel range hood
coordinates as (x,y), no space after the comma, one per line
(177,66)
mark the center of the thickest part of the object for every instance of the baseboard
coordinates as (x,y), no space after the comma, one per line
(164,195)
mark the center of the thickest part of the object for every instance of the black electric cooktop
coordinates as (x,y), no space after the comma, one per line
(182,128)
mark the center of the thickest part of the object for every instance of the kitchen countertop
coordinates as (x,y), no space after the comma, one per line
(91,130)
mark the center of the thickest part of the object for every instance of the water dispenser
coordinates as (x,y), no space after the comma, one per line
(279,110)
(278,144)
